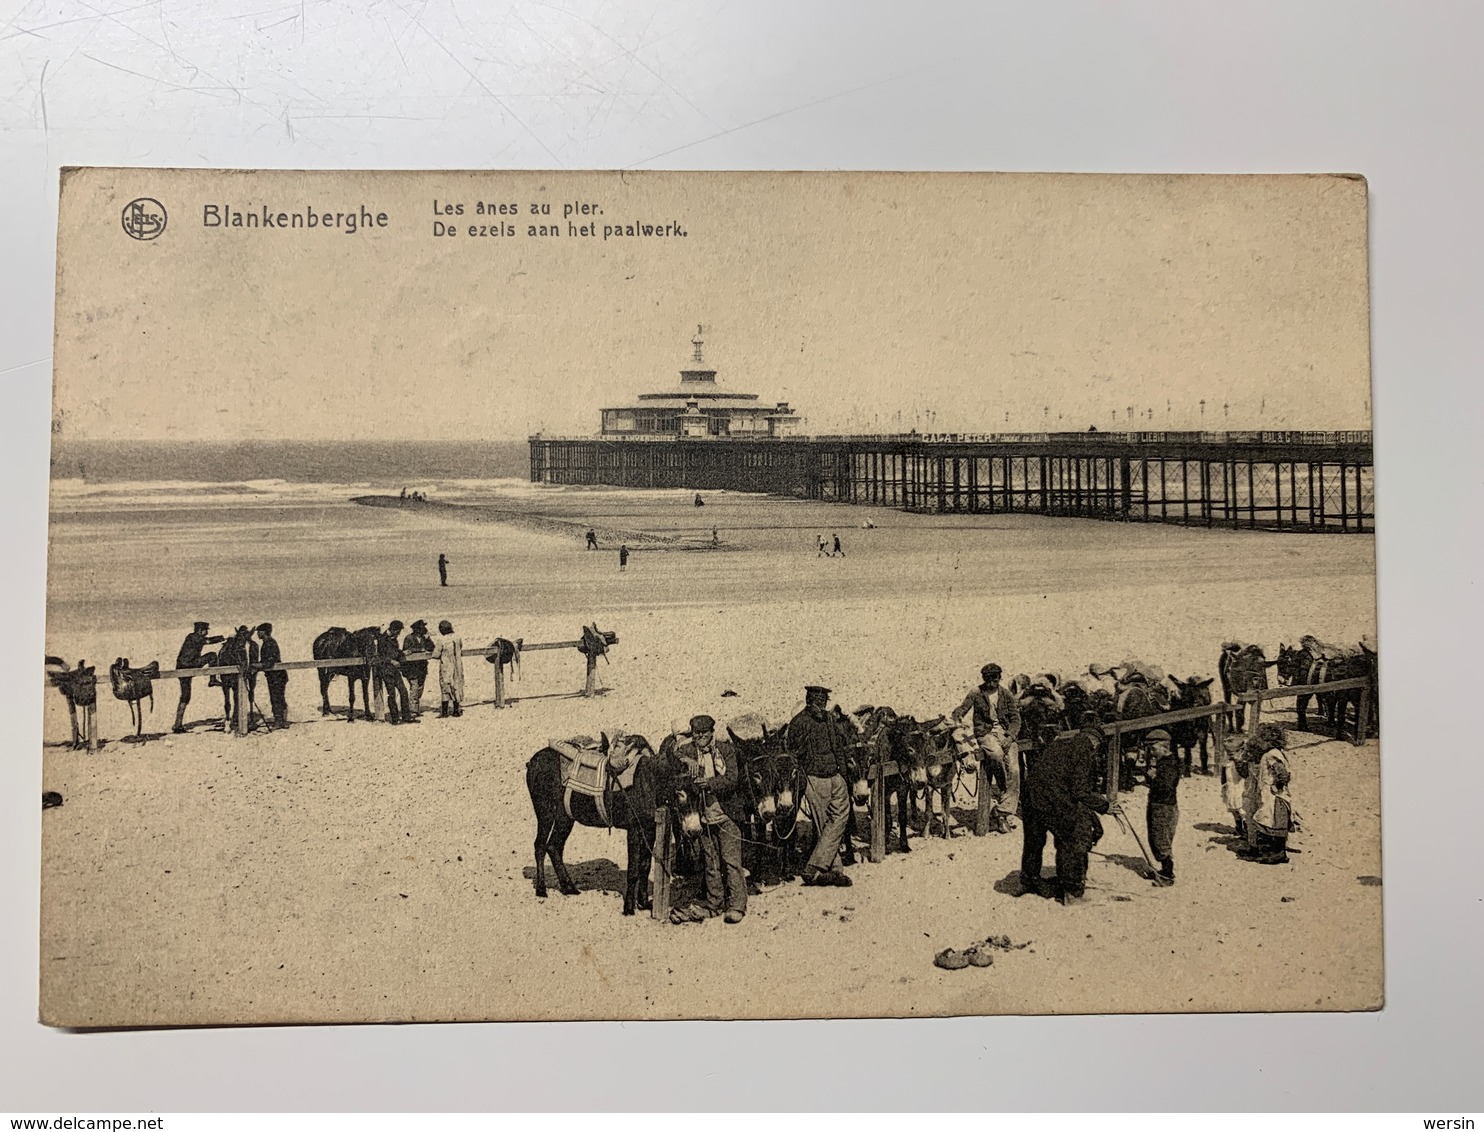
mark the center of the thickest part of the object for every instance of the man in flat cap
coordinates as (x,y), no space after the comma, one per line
(388,669)
(1163,809)
(816,739)
(278,681)
(1062,799)
(995,716)
(712,765)
(190,657)
(416,671)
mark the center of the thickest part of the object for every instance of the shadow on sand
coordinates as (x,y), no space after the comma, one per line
(601,875)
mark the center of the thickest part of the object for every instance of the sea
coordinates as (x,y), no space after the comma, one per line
(372,462)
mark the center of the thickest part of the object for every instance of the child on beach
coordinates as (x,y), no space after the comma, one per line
(1164,809)
(448,650)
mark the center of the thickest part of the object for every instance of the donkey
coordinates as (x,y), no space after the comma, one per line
(1313,662)
(342,644)
(631,810)
(765,805)
(1185,735)
(934,751)
(883,740)
(1242,668)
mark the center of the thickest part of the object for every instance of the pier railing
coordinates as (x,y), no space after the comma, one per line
(1271,480)
(1311,437)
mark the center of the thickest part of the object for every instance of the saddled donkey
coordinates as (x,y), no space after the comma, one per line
(1138,698)
(1315,662)
(1043,709)
(1242,668)
(630,808)
(342,644)
(1187,734)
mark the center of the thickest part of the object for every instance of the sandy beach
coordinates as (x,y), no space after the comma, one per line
(359,873)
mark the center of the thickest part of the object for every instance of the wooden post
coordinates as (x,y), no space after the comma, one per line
(877,852)
(1254,715)
(499,682)
(591,688)
(378,695)
(1363,715)
(242,709)
(985,804)
(1115,765)
(90,726)
(661,866)
(1218,736)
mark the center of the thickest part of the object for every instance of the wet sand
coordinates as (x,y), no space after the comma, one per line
(338,873)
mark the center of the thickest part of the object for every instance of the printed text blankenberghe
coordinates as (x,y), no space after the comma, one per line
(262,216)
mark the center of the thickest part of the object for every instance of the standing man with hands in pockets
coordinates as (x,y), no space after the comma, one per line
(815,738)
(712,766)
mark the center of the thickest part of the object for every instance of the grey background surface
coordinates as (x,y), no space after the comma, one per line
(1389,90)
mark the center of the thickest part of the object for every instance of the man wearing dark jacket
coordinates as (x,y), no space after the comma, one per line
(277,681)
(416,671)
(1061,797)
(388,669)
(712,766)
(1163,808)
(815,738)
(995,715)
(190,657)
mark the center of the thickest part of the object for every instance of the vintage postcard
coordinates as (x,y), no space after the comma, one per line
(568,595)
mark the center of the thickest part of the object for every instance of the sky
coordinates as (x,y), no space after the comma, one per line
(870,302)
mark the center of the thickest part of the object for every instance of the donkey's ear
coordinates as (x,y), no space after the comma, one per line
(1206,683)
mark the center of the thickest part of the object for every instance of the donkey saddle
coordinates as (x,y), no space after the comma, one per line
(134,684)
(77,685)
(590,767)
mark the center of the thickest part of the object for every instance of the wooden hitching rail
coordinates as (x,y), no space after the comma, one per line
(589,688)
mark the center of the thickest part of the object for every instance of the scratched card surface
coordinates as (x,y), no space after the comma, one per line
(524,595)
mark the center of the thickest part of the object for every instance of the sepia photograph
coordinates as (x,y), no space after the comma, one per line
(717,595)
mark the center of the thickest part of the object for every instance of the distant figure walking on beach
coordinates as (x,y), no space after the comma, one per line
(190,657)
(623,557)
(838,548)
(715,537)
(404,494)
(416,671)
(442,570)
(449,651)
(823,548)
(277,681)
(592,539)
(699,501)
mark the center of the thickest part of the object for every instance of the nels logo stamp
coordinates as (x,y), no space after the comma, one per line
(144,218)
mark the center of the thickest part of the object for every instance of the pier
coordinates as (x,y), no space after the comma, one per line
(1290,481)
